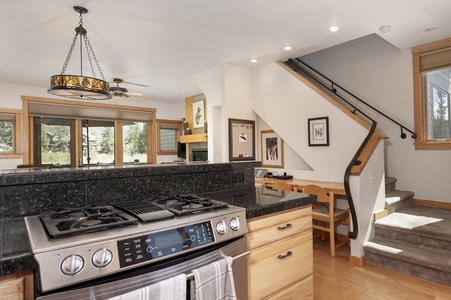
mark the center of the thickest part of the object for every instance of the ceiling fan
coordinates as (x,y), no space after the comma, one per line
(118,92)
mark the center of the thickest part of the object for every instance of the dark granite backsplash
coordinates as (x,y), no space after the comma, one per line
(26,192)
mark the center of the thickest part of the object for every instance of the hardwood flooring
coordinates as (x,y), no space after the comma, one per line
(335,279)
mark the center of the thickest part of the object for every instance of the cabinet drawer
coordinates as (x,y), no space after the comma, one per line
(270,229)
(270,272)
(300,290)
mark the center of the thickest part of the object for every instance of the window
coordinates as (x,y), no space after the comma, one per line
(10,133)
(432,88)
(72,133)
(52,138)
(134,142)
(168,136)
(98,142)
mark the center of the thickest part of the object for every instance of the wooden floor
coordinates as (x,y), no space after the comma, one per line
(335,278)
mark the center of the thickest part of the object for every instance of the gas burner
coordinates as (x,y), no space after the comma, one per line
(73,221)
(188,204)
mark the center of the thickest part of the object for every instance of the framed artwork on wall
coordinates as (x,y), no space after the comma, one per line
(198,114)
(241,140)
(318,131)
(271,149)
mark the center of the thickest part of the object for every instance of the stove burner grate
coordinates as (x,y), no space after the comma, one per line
(74,221)
(188,204)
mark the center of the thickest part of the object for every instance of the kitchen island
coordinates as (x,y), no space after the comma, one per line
(25,193)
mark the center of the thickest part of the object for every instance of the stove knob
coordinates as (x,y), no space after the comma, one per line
(102,258)
(221,228)
(72,265)
(235,224)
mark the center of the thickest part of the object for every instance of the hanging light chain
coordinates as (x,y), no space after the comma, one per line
(91,51)
(66,62)
(80,30)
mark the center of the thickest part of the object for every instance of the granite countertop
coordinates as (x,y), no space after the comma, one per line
(15,252)
(16,256)
(262,201)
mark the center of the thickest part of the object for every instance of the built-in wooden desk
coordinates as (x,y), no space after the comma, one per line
(297,184)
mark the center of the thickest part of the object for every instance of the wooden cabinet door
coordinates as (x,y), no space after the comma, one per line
(300,290)
(17,286)
(279,265)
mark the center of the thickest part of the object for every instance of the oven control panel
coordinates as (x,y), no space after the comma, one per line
(160,244)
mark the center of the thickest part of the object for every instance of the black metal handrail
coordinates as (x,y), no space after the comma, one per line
(333,88)
(295,65)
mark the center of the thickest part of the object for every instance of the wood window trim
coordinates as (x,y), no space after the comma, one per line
(158,127)
(27,123)
(18,134)
(421,141)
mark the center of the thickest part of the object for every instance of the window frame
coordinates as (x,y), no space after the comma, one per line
(27,125)
(160,124)
(420,97)
(17,135)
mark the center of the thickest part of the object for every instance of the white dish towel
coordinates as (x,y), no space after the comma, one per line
(170,289)
(214,281)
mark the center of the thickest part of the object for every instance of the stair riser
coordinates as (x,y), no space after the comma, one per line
(390,184)
(411,239)
(398,206)
(390,187)
(409,268)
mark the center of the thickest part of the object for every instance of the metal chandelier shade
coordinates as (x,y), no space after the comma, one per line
(79,86)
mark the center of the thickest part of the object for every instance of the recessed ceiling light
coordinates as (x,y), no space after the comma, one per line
(431,27)
(385,29)
(287,48)
(253,60)
(333,28)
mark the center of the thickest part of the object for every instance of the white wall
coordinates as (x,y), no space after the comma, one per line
(229,94)
(368,192)
(381,74)
(211,82)
(285,104)
(11,98)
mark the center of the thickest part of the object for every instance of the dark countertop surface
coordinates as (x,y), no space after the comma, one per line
(16,256)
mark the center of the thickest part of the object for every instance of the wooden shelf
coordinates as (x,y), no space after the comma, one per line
(193,138)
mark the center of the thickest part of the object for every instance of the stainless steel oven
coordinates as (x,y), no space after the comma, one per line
(104,251)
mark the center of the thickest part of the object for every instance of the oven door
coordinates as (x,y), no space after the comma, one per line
(118,284)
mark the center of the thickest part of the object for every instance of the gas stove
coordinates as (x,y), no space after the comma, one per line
(72,246)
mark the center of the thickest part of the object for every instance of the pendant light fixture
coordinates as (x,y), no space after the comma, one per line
(79,86)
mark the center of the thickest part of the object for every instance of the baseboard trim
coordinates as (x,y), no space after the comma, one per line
(357,261)
(431,203)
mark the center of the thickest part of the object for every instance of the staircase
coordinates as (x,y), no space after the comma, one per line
(414,240)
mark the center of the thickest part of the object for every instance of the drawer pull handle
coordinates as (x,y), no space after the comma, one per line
(289,253)
(284,227)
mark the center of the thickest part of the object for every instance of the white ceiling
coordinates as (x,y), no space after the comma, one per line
(163,43)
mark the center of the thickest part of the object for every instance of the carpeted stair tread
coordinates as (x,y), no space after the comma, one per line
(397,195)
(438,260)
(419,220)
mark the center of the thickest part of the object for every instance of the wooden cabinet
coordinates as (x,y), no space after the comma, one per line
(17,286)
(280,265)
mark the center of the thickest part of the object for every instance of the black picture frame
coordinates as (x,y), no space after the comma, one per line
(241,140)
(318,131)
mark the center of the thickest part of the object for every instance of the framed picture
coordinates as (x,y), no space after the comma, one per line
(198,114)
(272,149)
(318,131)
(241,140)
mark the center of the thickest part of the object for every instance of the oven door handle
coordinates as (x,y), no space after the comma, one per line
(191,275)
